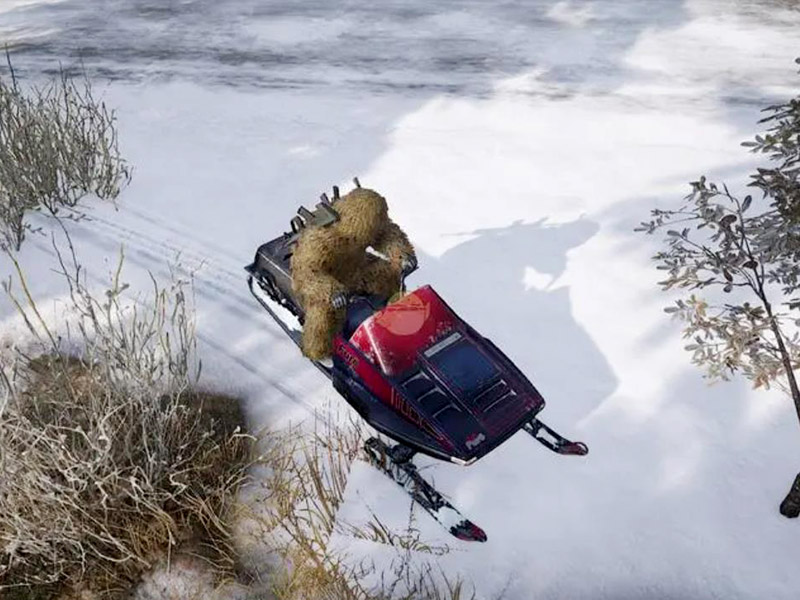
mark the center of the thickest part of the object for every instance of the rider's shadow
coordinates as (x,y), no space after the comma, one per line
(504,282)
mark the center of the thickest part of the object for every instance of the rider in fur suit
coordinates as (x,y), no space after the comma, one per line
(329,262)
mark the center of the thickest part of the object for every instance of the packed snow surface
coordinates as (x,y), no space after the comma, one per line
(518,144)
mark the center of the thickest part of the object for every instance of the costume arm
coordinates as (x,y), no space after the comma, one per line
(394,244)
(312,264)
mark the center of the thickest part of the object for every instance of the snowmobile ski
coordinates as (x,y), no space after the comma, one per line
(396,463)
(554,441)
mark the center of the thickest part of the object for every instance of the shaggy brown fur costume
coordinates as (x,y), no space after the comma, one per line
(333,258)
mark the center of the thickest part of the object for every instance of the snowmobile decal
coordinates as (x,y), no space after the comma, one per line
(474,439)
(347,356)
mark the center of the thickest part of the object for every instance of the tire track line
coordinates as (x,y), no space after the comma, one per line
(153,261)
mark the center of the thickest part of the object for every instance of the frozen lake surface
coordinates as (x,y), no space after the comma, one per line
(395,47)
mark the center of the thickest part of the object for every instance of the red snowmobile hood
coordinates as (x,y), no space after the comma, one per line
(482,399)
(392,337)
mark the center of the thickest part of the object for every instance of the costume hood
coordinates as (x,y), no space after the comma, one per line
(363,216)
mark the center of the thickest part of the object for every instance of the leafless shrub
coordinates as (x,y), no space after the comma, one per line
(108,456)
(57,144)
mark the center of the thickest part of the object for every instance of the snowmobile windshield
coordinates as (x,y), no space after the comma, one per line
(461,363)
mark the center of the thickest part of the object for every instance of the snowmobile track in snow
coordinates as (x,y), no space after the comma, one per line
(92,229)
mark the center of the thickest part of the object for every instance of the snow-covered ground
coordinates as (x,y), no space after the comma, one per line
(518,145)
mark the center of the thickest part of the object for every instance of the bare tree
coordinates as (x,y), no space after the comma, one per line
(746,253)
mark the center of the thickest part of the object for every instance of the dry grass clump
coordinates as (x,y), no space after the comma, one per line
(300,489)
(57,144)
(108,456)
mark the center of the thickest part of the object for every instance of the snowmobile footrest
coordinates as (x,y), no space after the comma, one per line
(555,442)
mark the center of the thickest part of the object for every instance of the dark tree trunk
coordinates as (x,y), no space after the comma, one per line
(790,507)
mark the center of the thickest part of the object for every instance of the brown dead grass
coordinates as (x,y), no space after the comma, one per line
(121,528)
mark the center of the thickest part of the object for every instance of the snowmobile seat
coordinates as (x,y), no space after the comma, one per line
(274,257)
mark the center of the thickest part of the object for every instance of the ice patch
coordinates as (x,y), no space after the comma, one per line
(567,13)
(295,30)
(530,83)
(9,5)
(22,31)
(670,57)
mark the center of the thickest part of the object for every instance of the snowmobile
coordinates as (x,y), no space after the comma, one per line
(416,373)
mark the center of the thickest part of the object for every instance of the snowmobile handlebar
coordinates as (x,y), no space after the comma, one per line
(408,265)
(340,300)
